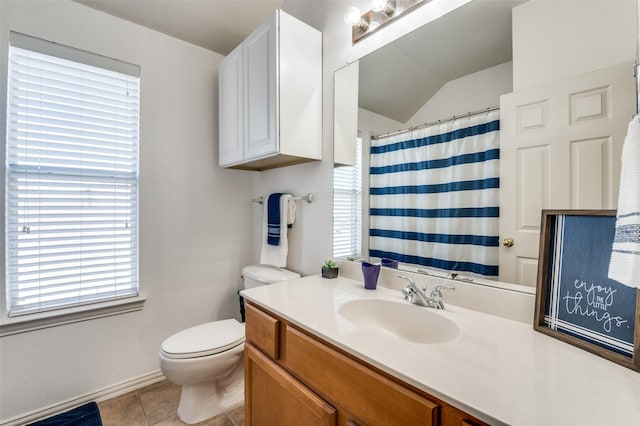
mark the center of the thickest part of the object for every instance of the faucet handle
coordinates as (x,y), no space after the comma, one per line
(409,289)
(436,295)
(407,293)
(436,290)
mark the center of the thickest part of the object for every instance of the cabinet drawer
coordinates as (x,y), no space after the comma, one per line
(372,398)
(263,331)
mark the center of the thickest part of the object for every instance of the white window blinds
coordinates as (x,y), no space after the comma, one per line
(347,208)
(72,180)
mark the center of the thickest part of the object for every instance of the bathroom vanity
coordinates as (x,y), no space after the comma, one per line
(300,376)
(329,352)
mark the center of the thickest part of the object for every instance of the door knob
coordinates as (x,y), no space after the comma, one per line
(508,242)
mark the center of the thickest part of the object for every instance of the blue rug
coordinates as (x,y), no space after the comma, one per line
(85,415)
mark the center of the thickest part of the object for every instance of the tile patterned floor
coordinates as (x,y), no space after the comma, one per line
(156,404)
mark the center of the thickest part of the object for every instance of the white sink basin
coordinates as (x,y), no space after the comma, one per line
(402,319)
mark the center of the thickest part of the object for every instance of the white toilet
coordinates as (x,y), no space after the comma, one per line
(207,360)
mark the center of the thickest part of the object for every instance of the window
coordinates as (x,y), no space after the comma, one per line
(347,208)
(72,177)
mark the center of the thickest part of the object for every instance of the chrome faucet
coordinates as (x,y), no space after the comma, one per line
(414,295)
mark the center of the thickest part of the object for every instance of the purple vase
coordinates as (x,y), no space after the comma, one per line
(370,273)
(389,263)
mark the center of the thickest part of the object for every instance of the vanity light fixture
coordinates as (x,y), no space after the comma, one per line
(382,12)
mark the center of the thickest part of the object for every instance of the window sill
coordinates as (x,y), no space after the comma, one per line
(26,323)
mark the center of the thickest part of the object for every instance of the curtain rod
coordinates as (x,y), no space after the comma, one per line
(420,126)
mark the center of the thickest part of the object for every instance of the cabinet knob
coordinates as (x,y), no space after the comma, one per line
(352,423)
(508,242)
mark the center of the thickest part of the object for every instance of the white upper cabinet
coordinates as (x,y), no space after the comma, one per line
(271,97)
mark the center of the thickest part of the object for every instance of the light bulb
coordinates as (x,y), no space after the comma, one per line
(384,6)
(353,16)
(378,5)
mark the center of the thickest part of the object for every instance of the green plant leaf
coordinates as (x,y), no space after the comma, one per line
(330,264)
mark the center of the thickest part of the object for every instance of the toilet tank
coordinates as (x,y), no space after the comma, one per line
(257,275)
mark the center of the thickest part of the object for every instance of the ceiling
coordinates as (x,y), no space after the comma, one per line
(398,79)
(217,25)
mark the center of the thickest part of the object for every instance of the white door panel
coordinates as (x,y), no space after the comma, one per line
(231,108)
(260,97)
(560,149)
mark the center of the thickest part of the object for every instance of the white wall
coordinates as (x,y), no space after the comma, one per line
(195,219)
(377,124)
(556,39)
(454,97)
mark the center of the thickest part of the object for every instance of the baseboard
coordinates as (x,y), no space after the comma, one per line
(98,396)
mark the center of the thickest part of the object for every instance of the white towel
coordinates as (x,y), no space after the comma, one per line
(276,255)
(624,266)
(291,212)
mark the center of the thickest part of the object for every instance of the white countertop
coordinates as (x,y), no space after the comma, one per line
(498,370)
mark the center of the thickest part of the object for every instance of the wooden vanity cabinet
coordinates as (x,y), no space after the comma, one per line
(305,377)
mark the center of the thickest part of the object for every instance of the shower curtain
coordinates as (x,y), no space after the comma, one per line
(434,196)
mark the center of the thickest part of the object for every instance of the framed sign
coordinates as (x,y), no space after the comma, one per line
(576,302)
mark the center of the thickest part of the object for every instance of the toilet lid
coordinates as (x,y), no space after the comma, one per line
(205,339)
(268,274)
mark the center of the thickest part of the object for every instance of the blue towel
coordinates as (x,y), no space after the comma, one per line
(273,219)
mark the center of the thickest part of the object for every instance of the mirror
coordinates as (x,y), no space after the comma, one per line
(465,60)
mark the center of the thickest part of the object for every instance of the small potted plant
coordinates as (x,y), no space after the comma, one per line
(330,269)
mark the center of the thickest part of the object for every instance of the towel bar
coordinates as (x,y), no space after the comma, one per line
(308,198)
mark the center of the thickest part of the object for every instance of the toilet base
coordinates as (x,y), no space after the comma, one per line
(202,401)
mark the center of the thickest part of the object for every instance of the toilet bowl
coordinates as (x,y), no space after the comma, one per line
(207,360)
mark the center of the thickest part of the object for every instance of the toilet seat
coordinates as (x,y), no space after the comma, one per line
(203,340)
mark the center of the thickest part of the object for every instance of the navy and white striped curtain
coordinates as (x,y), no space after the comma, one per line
(434,196)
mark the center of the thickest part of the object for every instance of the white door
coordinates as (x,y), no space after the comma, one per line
(560,147)
(230,109)
(260,97)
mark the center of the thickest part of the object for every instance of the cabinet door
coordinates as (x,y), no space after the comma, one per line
(230,109)
(273,397)
(260,59)
(370,397)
